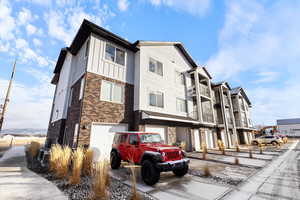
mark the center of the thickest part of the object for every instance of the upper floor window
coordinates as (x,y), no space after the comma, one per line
(112,92)
(179,77)
(156,99)
(180,105)
(155,67)
(87,47)
(81,88)
(114,54)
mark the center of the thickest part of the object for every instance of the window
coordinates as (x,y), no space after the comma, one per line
(75,134)
(180,105)
(156,99)
(70,98)
(155,67)
(87,46)
(123,138)
(179,77)
(115,54)
(112,92)
(133,139)
(81,88)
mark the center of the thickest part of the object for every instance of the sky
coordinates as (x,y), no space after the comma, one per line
(254,44)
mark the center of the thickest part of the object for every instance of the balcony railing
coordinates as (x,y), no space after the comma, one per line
(194,115)
(204,90)
(226,101)
(208,117)
(191,91)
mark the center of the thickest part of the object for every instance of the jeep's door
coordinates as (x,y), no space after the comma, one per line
(122,146)
(133,151)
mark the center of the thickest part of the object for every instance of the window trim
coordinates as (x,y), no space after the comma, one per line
(156,93)
(112,92)
(156,67)
(185,105)
(115,54)
(82,84)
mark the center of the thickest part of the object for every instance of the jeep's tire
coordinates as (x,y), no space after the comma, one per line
(115,160)
(150,174)
(181,172)
(274,143)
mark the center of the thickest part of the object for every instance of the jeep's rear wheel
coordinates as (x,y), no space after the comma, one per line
(181,172)
(150,174)
(115,160)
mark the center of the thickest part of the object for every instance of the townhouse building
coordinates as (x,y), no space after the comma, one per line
(105,84)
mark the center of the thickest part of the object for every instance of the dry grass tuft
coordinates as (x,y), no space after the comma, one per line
(206,170)
(33,149)
(250,153)
(261,148)
(77,160)
(87,162)
(219,143)
(135,195)
(236,161)
(237,147)
(204,151)
(101,180)
(285,140)
(59,160)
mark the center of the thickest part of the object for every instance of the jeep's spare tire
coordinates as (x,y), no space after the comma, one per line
(115,160)
(181,172)
(150,174)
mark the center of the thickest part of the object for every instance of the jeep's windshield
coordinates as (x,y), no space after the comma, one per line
(150,138)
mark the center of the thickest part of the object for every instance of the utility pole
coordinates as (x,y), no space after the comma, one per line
(6,100)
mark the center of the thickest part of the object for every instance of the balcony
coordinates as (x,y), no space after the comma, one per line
(191,91)
(226,101)
(204,90)
(208,117)
(194,115)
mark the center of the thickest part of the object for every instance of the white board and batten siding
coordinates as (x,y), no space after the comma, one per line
(173,61)
(99,65)
(101,138)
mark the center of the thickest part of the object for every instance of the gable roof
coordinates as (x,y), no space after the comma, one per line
(220,83)
(179,45)
(237,90)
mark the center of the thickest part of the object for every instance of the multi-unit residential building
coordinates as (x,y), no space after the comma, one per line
(106,84)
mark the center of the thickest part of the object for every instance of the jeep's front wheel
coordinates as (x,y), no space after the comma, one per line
(150,174)
(115,160)
(181,172)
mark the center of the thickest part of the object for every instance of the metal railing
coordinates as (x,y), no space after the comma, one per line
(204,90)
(208,117)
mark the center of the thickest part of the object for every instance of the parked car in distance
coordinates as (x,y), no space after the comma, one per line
(148,150)
(268,139)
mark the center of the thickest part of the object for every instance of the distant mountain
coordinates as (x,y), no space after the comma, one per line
(25,132)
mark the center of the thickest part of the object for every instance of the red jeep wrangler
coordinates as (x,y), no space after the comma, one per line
(147,150)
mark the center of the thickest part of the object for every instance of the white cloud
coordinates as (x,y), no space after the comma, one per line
(37,42)
(26,99)
(123,5)
(7,22)
(63,24)
(266,77)
(195,7)
(262,40)
(31,29)
(21,43)
(24,16)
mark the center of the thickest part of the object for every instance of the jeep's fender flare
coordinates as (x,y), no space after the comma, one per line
(116,150)
(151,155)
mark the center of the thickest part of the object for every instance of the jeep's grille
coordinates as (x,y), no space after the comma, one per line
(172,155)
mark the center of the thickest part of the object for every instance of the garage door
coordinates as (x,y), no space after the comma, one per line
(102,137)
(157,129)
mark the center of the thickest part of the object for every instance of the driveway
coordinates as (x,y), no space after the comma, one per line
(17,182)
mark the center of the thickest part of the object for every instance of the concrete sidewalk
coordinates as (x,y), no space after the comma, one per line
(17,182)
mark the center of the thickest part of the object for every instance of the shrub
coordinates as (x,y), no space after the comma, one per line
(236,161)
(250,153)
(60,160)
(219,143)
(77,160)
(33,149)
(204,151)
(87,162)
(101,180)
(206,171)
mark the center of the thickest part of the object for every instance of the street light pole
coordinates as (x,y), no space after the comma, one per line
(6,100)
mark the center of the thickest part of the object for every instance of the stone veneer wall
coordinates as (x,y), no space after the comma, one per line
(171,132)
(95,110)
(73,115)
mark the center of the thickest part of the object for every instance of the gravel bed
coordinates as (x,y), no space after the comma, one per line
(117,190)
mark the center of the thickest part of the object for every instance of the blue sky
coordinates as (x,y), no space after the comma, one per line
(254,43)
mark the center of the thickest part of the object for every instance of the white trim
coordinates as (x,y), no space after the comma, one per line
(167,118)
